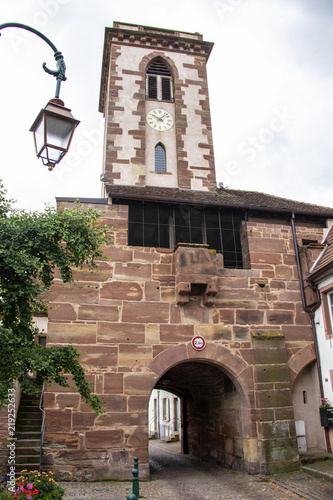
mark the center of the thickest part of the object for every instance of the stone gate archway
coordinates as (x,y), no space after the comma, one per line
(216,389)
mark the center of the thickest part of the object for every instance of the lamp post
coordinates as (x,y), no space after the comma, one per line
(54,126)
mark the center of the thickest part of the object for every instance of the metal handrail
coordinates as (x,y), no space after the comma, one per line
(42,429)
(149,424)
(151,420)
(167,427)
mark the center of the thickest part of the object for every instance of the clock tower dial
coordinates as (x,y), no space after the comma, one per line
(160,119)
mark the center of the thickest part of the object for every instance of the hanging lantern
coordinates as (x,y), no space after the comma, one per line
(53,130)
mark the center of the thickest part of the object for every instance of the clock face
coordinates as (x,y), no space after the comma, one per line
(159,119)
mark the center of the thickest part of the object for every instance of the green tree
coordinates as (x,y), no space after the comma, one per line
(32,246)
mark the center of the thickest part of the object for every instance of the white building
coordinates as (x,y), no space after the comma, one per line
(321,277)
(164,416)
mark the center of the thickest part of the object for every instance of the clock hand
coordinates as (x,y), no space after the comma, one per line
(158,118)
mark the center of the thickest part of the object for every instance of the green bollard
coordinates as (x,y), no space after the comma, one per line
(135,481)
(136,463)
(135,488)
(135,473)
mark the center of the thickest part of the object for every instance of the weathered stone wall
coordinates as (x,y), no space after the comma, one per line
(125,320)
(214,415)
(276,426)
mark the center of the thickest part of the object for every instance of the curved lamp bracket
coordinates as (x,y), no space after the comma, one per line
(54,126)
(59,73)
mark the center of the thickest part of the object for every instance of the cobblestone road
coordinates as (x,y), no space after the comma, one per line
(187,478)
(176,477)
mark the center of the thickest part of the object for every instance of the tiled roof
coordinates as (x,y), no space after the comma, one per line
(325,260)
(231,198)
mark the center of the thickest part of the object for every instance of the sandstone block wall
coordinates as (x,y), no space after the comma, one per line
(125,320)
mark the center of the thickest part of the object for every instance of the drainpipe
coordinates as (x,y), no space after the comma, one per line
(158,416)
(311,311)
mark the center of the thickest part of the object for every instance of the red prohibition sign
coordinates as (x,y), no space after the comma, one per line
(198,343)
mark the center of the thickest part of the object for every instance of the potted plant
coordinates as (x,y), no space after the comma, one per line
(325,403)
(32,485)
(326,413)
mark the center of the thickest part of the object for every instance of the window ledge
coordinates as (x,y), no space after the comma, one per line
(160,173)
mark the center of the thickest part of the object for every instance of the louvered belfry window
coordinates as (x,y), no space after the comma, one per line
(159,81)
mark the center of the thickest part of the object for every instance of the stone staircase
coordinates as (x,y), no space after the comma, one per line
(28,429)
(174,436)
(318,464)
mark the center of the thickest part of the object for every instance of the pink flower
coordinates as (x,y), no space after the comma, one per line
(30,486)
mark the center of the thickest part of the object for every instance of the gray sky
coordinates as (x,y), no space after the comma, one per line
(270,80)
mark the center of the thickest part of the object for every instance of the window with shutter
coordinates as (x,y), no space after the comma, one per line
(327,309)
(159,81)
(152,86)
(330,305)
(166,88)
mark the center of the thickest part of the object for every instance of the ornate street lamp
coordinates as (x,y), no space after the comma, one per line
(54,126)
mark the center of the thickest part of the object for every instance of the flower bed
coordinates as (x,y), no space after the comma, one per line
(32,485)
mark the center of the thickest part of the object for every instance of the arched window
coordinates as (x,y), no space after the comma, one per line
(159,81)
(160,158)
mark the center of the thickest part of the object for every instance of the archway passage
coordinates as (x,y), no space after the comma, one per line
(211,423)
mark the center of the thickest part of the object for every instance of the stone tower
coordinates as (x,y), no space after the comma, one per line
(154,96)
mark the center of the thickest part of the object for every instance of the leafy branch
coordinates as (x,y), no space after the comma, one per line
(32,247)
